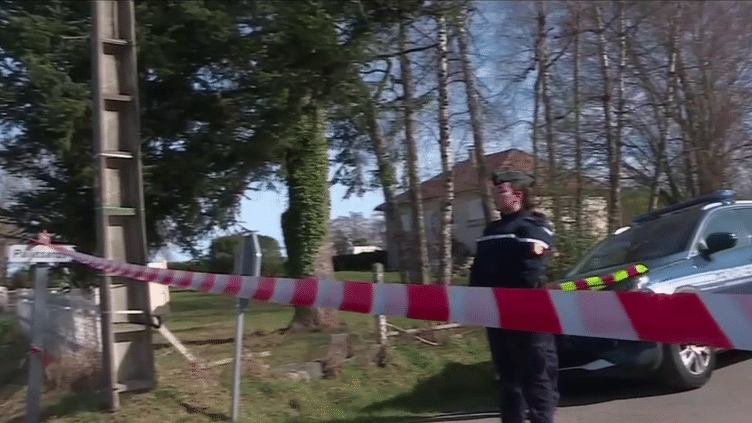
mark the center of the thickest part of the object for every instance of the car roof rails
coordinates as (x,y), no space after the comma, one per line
(723,196)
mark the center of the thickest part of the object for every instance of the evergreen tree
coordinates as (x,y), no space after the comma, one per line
(197,157)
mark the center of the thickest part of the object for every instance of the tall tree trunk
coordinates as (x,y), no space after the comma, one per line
(615,167)
(543,76)
(420,269)
(578,196)
(3,260)
(445,141)
(611,144)
(388,177)
(305,222)
(536,99)
(473,105)
(689,125)
(664,119)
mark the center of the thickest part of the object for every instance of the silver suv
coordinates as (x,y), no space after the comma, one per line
(702,245)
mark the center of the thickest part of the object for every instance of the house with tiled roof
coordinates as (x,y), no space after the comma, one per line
(468,211)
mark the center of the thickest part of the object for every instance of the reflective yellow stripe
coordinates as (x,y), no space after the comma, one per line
(568,286)
(596,283)
(621,275)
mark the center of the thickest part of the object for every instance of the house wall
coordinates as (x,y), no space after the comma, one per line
(595,216)
(469,221)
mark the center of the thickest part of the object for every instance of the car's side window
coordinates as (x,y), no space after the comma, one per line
(745,214)
(727,221)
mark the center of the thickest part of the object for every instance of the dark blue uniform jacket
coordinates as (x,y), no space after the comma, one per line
(513,252)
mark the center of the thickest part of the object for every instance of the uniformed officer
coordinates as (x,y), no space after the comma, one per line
(514,253)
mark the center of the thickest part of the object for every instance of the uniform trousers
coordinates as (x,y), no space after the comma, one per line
(528,368)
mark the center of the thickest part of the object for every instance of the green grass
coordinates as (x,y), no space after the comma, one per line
(13,349)
(6,331)
(419,379)
(389,277)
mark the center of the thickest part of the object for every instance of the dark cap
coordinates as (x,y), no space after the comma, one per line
(519,180)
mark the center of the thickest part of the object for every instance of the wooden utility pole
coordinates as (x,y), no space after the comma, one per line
(127,356)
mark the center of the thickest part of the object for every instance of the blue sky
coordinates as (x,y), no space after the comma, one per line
(263,209)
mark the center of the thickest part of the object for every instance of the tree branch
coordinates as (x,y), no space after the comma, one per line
(408,51)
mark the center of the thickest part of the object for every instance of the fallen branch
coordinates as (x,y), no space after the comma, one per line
(440,327)
(411,331)
(230,360)
(468,332)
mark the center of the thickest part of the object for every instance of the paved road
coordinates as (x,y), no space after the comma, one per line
(726,398)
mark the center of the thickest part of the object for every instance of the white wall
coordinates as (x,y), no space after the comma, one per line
(469,220)
(4,301)
(72,320)
(365,249)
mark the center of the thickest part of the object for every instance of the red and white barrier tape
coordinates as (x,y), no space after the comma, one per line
(46,358)
(718,320)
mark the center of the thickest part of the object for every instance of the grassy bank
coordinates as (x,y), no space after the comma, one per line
(420,378)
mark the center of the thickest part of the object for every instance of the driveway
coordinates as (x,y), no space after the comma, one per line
(726,398)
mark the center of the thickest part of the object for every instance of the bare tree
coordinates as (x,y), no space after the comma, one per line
(539,58)
(447,159)
(420,271)
(578,198)
(388,178)
(613,147)
(476,118)
(543,78)
(356,229)
(660,97)
(713,80)
(697,91)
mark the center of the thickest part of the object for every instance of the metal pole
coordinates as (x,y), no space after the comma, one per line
(248,263)
(238,359)
(38,329)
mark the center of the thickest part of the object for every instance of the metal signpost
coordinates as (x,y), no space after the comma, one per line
(247,263)
(40,256)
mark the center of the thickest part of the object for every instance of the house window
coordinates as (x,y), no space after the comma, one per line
(407,221)
(434,221)
(475,215)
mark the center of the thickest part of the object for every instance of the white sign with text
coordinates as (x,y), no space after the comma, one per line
(23,253)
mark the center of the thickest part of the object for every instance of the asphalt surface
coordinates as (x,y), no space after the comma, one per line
(725,398)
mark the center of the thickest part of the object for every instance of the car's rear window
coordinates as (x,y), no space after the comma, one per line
(667,235)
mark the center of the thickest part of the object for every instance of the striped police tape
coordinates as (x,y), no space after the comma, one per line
(723,321)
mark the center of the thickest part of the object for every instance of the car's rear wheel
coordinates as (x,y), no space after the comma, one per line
(687,366)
